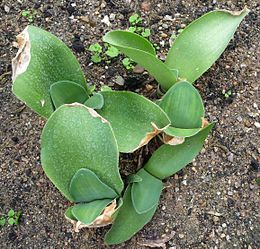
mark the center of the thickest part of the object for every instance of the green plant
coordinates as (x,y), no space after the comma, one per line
(29,15)
(12,218)
(135,21)
(128,63)
(96,50)
(112,52)
(86,130)
(227,94)
(190,55)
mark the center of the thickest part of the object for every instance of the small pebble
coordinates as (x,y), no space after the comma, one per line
(231,157)
(112,16)
(6,8)
(181,236)
(222,235)
(138,69)
(106,21)
(119,80)
(257,125)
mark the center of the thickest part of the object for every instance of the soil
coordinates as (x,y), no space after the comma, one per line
(212,203)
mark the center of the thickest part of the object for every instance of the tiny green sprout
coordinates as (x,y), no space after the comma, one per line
(132,29)
(29,15)
(135,19)
(227,94)
(11,217)
(96,58)
(11,213)
(146,33)
(128,63)
(112,52)
(96,48)
(2,221)
(258,181)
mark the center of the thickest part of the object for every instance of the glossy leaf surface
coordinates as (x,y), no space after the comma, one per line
(183,105)
(142,52)
(88,212)
(131,117)
(167,160)
(42,60)
(85,186)
(67,92)
(76,137)
(202,42)
(128,221)
(145,194)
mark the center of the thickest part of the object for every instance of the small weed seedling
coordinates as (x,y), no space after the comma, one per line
(227,94)
(135,21)
(98,55)
(86,130)
(128,63)
(96,50)
(11,218)
(29,15)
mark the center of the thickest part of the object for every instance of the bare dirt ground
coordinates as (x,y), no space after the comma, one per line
(212,203)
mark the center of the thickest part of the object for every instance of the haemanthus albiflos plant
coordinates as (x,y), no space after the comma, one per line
(86,130)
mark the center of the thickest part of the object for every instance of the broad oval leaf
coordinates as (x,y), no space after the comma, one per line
(179,132)
(142,52)
(95,102)
(42,60)
(183,105)
(76,137)
(85,186)
(145,194)
(135,119)
(86,213)
(128,221)
(202,42)
(167,160)
(67,92)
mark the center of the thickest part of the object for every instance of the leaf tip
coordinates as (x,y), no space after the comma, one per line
(22,59)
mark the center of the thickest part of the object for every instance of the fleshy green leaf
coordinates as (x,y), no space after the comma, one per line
(68,214)
(88,212)
(146,193)
(168,160)
(85,186)
(67,92)
(95,102)
(131,117)
(76,137)
(179,132)
(42,60)
(134,178)
(142,52)
(184,106)
(128,221)
(202,42)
